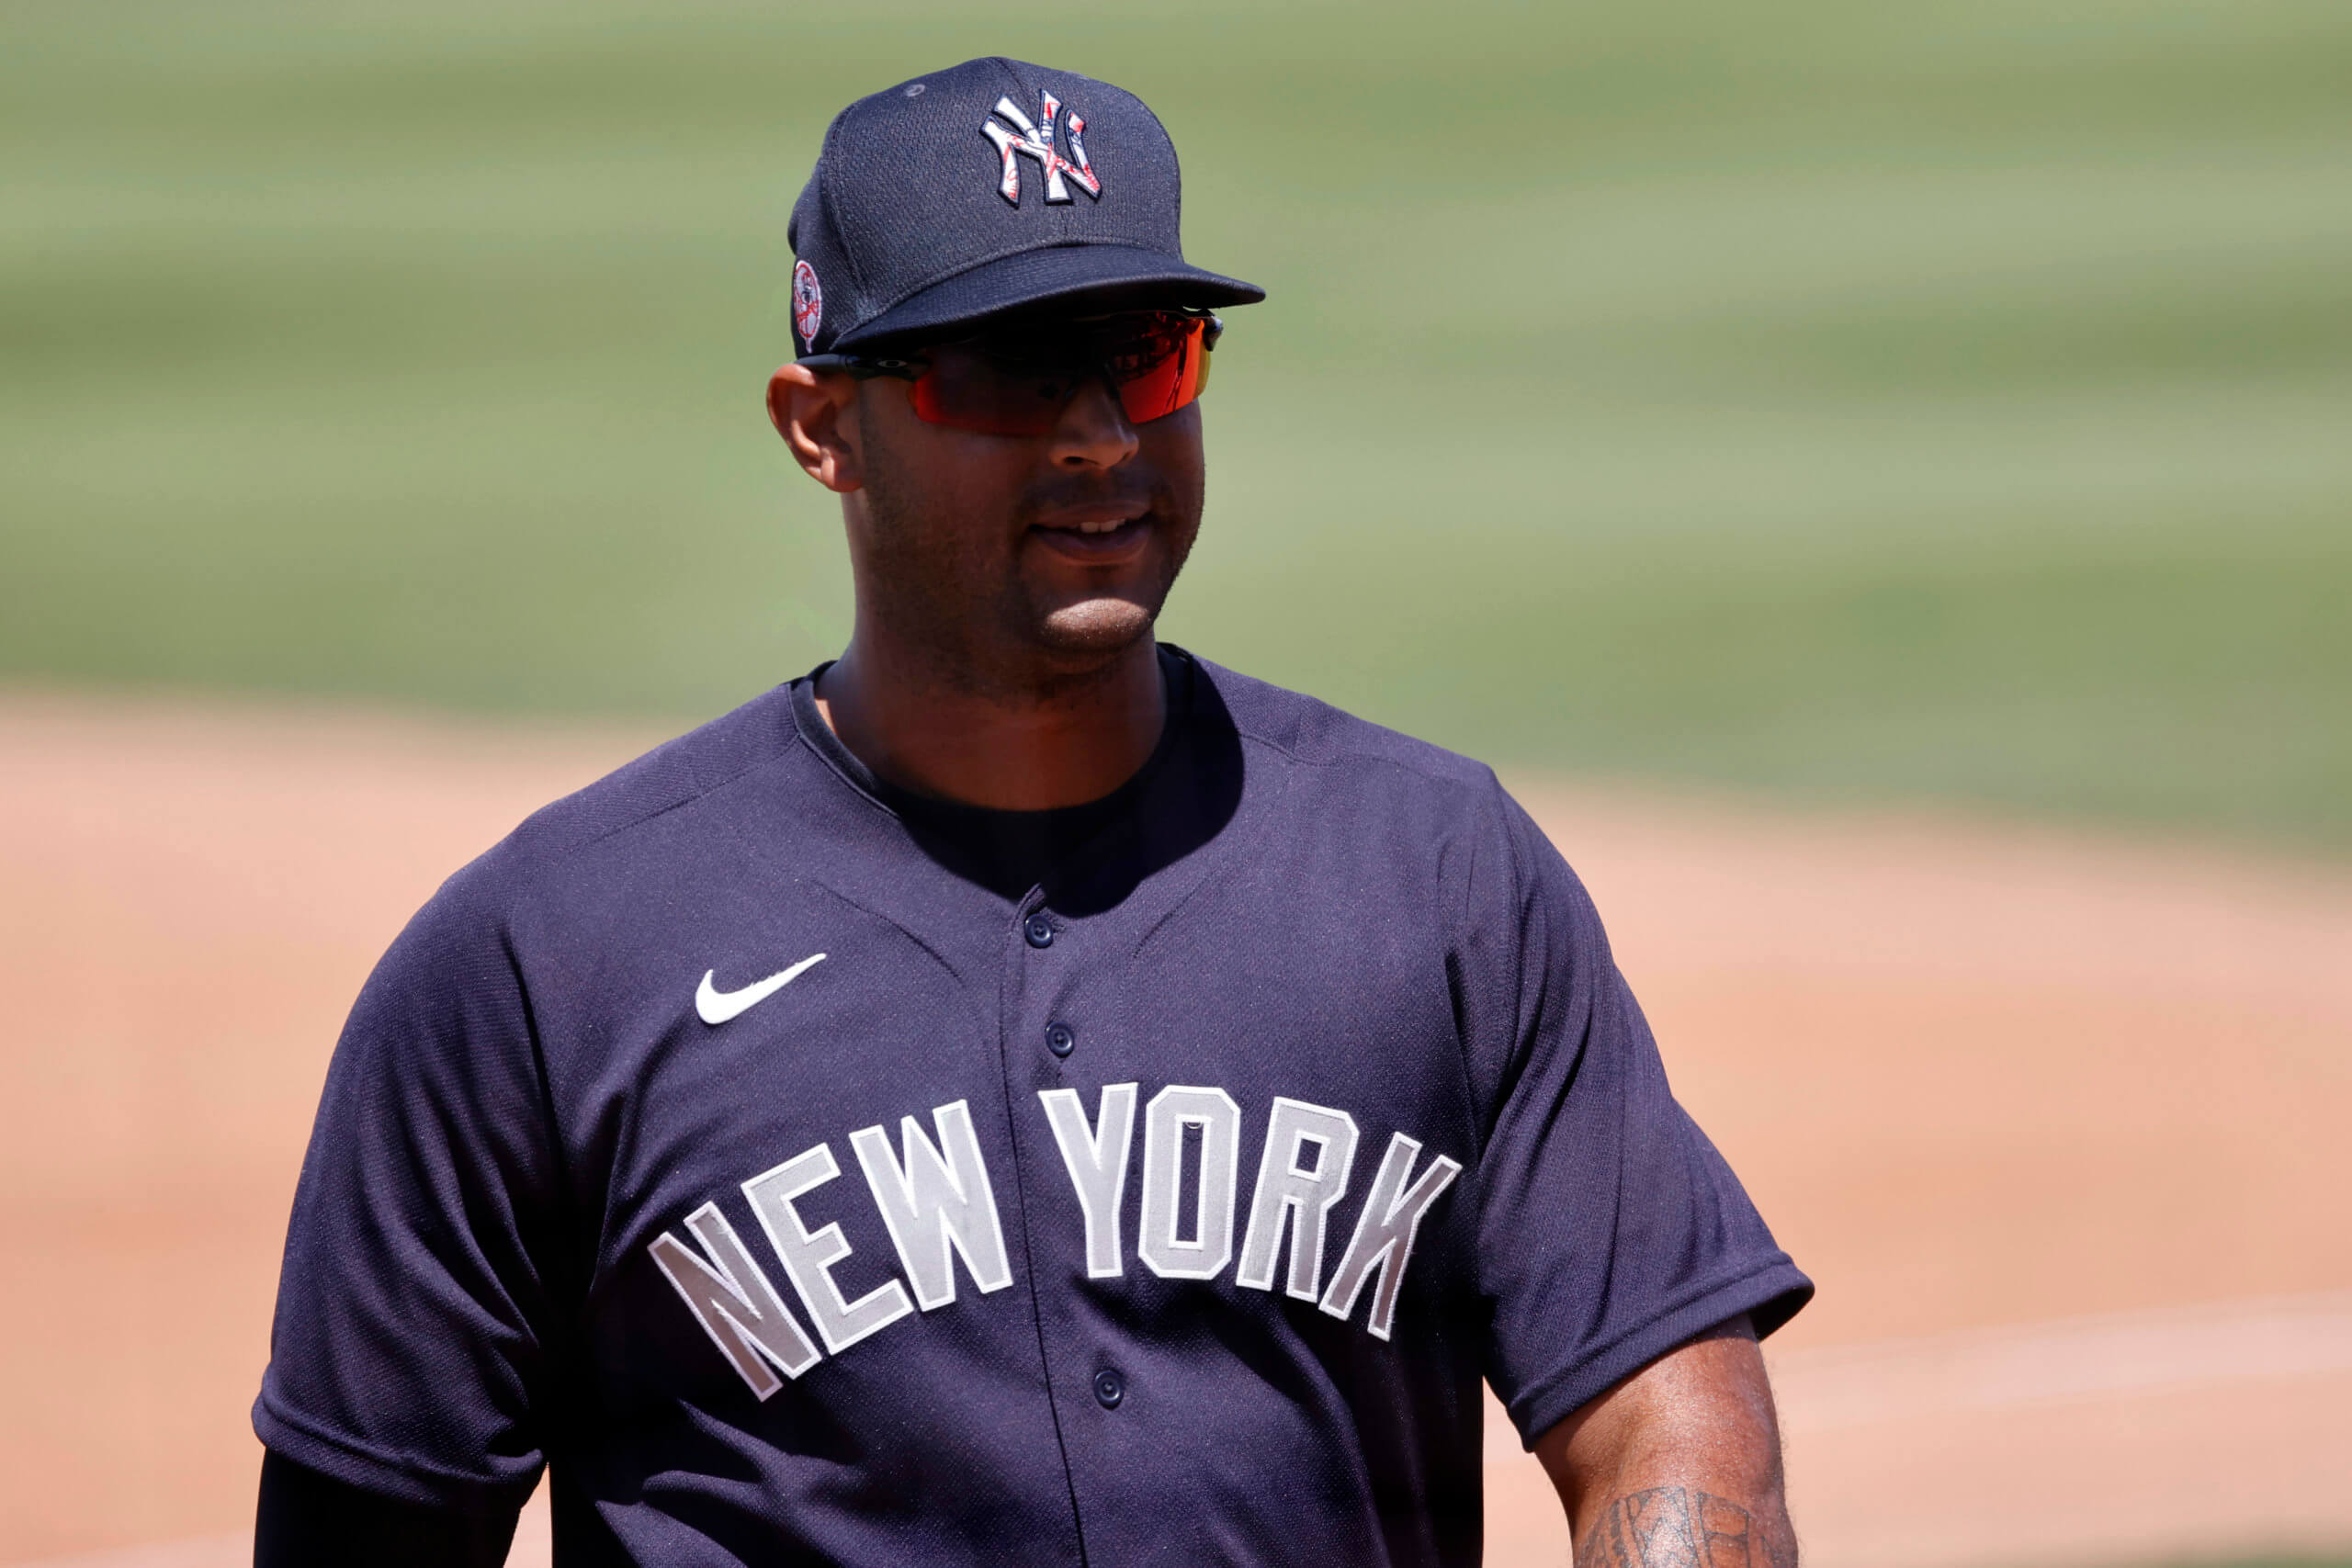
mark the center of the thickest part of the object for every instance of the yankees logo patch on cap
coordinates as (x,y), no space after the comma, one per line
(1037,141)
(953,197)
(807,303)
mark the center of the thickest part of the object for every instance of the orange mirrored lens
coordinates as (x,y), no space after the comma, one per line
(1159,390)
(964,391)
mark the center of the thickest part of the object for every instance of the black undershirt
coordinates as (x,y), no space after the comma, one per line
(1008,852)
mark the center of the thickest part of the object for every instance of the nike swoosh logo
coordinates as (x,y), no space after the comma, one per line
(716,1006)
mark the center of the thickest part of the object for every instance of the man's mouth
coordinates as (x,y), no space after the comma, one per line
(1097,535)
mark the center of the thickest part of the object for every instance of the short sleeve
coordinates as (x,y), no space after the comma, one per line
(408,1339)
(1609,1230)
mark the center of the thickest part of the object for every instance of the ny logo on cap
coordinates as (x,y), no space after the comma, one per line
(1036,140)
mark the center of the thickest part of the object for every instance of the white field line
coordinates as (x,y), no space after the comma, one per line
(2118,1355)
(2121,1353)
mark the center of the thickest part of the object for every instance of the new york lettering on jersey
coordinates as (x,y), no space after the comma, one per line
(940,1206)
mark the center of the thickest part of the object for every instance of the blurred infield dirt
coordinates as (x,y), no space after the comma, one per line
(2058,1124)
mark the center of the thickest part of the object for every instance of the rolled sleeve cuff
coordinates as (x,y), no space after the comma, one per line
(1771,1295)
(286,1433)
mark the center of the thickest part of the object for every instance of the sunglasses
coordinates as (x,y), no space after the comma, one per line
(1019,382)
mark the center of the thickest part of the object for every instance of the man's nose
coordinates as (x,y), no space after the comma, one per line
(1094,431)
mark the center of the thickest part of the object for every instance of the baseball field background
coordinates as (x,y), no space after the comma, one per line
(1857,466)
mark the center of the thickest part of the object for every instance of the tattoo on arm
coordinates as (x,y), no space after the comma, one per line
(1674,1527)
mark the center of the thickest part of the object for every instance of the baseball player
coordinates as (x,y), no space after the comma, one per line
(1021,1092)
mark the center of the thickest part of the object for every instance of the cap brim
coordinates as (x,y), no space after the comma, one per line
(1109,278)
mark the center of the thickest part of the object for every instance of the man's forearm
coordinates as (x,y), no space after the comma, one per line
(1687,1526)
(1678,1466)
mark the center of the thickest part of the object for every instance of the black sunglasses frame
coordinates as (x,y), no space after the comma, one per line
(911,367)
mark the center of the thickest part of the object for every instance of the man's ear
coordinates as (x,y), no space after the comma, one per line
(816,416)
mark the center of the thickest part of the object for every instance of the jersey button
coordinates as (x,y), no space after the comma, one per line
(1109,1389)
(1060,1039)
(1039,930)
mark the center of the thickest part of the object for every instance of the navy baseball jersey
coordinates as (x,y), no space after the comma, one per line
(802,1191)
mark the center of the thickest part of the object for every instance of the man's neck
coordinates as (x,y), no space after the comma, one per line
(1009,751)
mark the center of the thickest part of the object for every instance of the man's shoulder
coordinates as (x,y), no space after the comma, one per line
(579,897)
(696,771)
(679,773)
(1370,801)
(1350,752)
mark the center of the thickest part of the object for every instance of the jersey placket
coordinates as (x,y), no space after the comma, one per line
(1043,1028)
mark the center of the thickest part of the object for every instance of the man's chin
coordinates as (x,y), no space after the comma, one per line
(1095,628)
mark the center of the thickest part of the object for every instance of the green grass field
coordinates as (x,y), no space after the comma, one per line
(1866,402)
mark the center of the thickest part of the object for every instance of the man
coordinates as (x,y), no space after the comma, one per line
(1021,1093)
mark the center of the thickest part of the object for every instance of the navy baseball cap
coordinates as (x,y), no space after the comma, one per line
(992,187)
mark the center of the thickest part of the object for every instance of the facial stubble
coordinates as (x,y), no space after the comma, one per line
(955,592)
